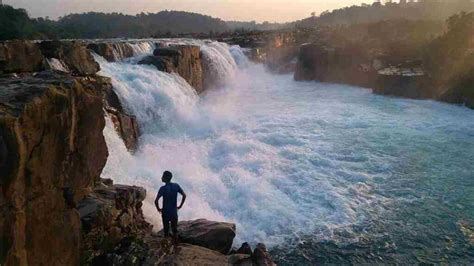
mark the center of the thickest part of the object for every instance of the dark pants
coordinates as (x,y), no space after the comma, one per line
(166,225)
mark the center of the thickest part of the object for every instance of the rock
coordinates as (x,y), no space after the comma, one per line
(128,129)
(245,249)
(52,127)
(182,59)
(20,56)
(403,82)
(186,254)
(261,257)
(74,54)
(126,125)
(164,64)
(112,51)
(217,236)
(345,64)
(108,215)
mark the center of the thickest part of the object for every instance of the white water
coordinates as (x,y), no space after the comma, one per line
(281,159)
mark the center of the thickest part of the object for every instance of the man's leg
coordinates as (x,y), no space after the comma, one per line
(174,226)
(166,226)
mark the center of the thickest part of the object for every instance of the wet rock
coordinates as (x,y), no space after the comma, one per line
(20,56)
(261,257)
(126,125)
(213,235)
(245,249)
(73,54)
(112,51)
(52,127)
(164,64)
(182,59)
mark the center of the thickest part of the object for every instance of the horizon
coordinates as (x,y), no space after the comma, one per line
(231,10)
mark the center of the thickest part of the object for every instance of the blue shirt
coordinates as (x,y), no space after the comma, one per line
(169,192)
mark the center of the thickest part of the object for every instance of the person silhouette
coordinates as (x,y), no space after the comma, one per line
(169,212)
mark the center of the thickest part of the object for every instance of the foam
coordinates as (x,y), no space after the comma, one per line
(281,159)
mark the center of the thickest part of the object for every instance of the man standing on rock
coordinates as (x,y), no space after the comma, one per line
(169,212)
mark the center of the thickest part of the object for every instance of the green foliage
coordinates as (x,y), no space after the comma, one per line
(15,24)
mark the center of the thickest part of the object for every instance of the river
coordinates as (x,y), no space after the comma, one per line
(322,173)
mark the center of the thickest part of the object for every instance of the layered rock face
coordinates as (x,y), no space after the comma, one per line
(386,75)
(184,60)
(51,128)
(334,64)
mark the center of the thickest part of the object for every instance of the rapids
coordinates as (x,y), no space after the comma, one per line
(319,172)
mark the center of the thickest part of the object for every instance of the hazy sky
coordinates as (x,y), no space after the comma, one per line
(259,10)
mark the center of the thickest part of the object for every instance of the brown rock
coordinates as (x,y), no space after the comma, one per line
(182,59)
(245,249)
(112,51)
(217,236)
(74,54)
(261,257)
(20,56)
(52,129)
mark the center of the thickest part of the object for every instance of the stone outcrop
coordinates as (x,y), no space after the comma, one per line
(51,128)
(27,57)
(217,236)
(110,216)
(73,54)
(112,51)
(20,56)
(184,60)
(403,82)
(347,65)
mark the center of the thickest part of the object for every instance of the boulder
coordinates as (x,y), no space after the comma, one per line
(217,236)
(73,54)
(112,51)
(261,257)
(20,56)
(245,249)
(182,59)
(186,254)
(51,126)
(164,64)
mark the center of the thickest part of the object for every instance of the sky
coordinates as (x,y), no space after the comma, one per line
(242,10)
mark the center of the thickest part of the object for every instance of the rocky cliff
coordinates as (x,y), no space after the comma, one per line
(54,151)
(387,75)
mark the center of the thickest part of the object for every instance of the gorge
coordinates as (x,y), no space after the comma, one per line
(319,172)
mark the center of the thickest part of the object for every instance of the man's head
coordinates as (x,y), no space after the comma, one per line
(167,175)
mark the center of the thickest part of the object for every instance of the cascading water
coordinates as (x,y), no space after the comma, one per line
(335,173)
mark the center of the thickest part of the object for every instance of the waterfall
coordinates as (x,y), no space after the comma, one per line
(295,163)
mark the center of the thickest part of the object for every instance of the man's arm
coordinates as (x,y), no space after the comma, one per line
(183,198)
(157,203)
